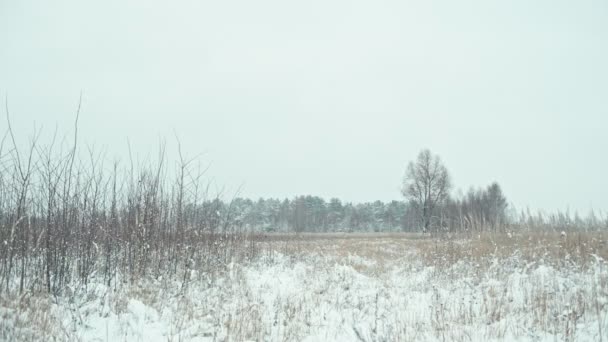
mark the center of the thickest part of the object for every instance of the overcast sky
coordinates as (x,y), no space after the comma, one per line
(330,98)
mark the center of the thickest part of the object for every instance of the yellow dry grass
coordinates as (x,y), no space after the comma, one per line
(554,248)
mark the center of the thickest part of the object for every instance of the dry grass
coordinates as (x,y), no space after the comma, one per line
(28,318)
(572,249)
(555,249)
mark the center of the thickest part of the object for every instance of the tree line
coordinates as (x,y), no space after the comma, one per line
(483,208)
(427,206)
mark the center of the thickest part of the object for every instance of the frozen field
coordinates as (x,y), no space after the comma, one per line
(347,288)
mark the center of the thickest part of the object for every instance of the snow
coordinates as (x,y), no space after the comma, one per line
(322,296)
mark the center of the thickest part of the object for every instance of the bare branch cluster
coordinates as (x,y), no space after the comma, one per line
(66,218)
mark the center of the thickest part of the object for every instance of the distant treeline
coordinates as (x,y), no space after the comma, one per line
(479,208)
(482,209)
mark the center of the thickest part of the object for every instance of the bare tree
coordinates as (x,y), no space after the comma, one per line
(497,206)
(426,184)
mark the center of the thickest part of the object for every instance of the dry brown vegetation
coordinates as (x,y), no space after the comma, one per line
(555,248)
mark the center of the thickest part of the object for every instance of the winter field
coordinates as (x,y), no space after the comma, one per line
(344,287)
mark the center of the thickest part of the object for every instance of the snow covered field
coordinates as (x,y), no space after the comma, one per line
(346,288)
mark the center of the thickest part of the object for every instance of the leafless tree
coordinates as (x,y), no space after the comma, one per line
(426,185)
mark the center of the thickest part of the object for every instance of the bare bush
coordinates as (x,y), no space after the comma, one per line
(68,216)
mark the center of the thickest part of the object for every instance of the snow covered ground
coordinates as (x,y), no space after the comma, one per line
(376,289)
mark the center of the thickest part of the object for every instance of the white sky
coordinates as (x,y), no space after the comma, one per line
(329,98)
